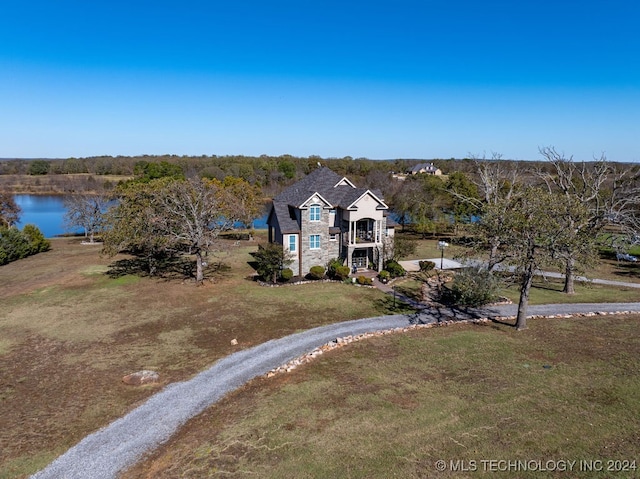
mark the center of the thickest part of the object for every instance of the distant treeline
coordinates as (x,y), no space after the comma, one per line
(271,173)
(262,169)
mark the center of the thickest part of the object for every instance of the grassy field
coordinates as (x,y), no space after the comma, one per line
(52,184)
(392,406)
(69,332)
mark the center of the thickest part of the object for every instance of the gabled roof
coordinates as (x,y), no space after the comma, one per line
(332,189)
(336,190)
(318,181)
(381,204)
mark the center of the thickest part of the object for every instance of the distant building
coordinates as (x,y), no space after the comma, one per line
(325,216)
(426,168)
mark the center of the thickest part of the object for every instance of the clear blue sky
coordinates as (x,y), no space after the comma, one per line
(375,79)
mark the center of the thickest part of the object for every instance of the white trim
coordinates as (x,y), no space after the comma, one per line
(315,198)
(344,182)
(319,243)
(295,243)
(380,202)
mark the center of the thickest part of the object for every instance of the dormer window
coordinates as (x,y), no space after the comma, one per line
(314,213)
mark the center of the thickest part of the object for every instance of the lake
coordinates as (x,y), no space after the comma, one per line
(47,212)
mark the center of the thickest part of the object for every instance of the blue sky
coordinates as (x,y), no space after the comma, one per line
(375,79)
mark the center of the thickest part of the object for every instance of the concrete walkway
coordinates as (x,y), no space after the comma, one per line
(111,450)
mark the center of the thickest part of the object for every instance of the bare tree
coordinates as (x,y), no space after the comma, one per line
(599,188)
(86,211)
(195,212)
(497,182)
(536,228)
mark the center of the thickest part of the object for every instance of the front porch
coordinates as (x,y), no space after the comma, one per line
(363,258)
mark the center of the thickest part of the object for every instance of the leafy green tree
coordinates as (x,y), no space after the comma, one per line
(287,168)
(133,224)
(146,171)
(39,167)
(169,217)
(462,190)
(422,199)
(270,260)
(246,200)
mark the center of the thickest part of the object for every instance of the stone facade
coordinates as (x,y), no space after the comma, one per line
(349,222)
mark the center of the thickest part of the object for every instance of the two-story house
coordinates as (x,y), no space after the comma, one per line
(325,216)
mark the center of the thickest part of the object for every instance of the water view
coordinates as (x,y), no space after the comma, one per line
(47,213)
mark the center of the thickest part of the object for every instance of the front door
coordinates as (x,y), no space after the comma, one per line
(359,259)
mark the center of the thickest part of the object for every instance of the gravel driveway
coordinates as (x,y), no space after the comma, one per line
(105,453)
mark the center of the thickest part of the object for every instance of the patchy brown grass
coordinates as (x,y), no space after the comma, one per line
(394,405)
(52,184)
(69,333)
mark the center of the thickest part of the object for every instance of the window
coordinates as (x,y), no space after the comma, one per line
(314,242)
(292,243)
(314,213)
(332,237)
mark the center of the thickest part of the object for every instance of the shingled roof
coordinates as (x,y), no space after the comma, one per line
(335,189)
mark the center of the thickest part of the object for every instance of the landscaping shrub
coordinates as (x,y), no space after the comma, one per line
(286,274)
(426,265)
(16,244)
(394,268)
(341,273)
(336,270)
(384,276)
(364,280)
(37,242)
(472,287)
(316,272)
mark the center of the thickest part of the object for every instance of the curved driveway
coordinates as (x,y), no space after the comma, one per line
(111,450)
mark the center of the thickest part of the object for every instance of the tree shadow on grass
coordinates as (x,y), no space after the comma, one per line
(387,305)
(444,313)
(173,268)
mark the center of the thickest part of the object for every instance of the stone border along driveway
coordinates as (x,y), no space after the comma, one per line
(111,450)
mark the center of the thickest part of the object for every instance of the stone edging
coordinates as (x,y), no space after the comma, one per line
(340,342)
